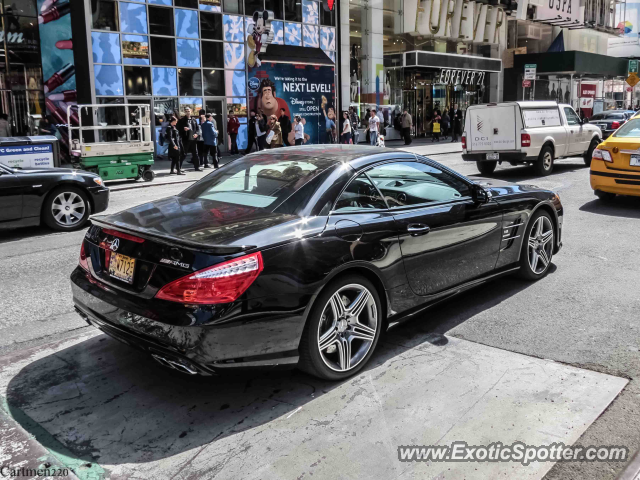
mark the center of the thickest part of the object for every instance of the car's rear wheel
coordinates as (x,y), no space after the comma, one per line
(66,208)
(486,168)
(537,247)
(544,165)
(592,146)
(342,330)
(605,196)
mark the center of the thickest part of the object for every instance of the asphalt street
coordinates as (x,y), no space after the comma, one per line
(583,314)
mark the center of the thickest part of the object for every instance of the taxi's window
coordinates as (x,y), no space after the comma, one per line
(629,129)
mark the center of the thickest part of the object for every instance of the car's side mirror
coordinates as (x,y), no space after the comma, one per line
(479,194)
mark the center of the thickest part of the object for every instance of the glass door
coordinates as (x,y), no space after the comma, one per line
(218,108)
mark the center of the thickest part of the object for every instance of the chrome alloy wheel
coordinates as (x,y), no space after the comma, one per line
(68,208)
(540,244)
(347,327)
(547,160)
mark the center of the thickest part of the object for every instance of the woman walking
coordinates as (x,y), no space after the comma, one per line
(175,147)
(346,129)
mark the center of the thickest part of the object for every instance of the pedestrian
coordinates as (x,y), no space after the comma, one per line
(355,122)
(456,122)
(45,127)
(374,124)
(261,131)
(285,125)
(252,136)
(406,123)
(189,131)
(298,130)
(346,129)
(435,126)
(5,127)
(200,140)
(275,132)
(445,124)
(210,140)
(174,141)
(233,124)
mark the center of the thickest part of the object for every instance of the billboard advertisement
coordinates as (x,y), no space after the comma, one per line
(305,90)
(627,21)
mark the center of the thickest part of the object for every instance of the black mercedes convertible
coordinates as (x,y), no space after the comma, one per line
(304,256)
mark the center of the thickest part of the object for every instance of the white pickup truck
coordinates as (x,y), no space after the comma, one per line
(526,133)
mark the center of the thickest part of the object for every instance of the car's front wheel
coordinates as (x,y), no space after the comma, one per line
(342,330)
(537,247)
(66,208)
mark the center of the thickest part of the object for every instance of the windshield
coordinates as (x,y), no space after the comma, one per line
(629,129)
(263,182)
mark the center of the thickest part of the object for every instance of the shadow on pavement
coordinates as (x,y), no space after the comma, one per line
(111,404)
(522,173)
(621,206)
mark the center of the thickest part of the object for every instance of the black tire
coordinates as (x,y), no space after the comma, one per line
(148,175)
(486,168)
(589,154)
(311,359)
(605,196)
(544,165)
(526,270)
(76,217)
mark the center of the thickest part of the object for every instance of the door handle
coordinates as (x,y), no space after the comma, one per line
(416,229)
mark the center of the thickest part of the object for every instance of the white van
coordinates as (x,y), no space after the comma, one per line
(526,133)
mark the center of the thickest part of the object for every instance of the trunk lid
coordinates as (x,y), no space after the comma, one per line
(627,148)
(492,128)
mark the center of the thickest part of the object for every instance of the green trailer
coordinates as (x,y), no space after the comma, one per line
(114,142)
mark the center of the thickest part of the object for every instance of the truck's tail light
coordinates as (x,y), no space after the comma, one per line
(222,283)
(83,262)
(525,140)
(603,155)
(615,125)
(464,141)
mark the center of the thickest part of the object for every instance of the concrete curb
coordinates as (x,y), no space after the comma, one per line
(632,470)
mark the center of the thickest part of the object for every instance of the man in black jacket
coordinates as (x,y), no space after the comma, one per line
(189,132)
(455,117)
(251,141)
(285,126)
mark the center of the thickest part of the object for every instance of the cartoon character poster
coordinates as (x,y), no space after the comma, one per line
(260,36)
(304,90)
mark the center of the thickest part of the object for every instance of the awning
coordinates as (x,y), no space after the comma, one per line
(578,63)
(299,55)
(454,61)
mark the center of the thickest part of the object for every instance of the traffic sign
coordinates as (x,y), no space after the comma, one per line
(633,79)
(530,71)
(633,67)
(526,83)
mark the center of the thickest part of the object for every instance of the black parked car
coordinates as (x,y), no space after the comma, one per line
(303,256)
(611,120)
(62,198)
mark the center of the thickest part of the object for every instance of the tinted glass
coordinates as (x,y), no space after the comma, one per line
(615,116)
(276,7)
(186,3)
(160,21)
(190,81)
(104,15)
(258,182)
(597,116)
(629,129)
(212,56)
(163,51)
(414,183)
(213,83)
(211,26)
(251,6)
(572,118)
(20,7)
(233,6)
(137,80)
(360,194)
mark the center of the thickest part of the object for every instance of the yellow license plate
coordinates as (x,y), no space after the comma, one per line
(122,267)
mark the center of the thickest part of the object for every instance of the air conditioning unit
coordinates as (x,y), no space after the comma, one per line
(532,32)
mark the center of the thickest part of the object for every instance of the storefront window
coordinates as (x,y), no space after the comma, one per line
(137,80)
(105,15)
(160,21)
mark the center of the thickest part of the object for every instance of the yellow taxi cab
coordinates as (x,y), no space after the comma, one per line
(615,163)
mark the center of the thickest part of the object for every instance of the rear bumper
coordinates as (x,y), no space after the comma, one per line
(504,157)
(253,338)
(613,181)
(100,198)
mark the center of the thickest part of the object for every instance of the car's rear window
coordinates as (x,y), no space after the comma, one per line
(258,181)
(615,116)
(629,129)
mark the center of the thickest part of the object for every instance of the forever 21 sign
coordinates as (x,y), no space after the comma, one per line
(450,76)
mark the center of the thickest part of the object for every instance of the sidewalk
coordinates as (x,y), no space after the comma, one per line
(420,146)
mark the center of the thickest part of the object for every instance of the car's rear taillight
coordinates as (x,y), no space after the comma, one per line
(125,236)
(83,262)
(221,283)
(464,141)
(525,140)
(615,125)
(603,155)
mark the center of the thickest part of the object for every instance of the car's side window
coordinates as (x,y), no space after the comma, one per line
(572,118)
(413,183)
(360,194)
